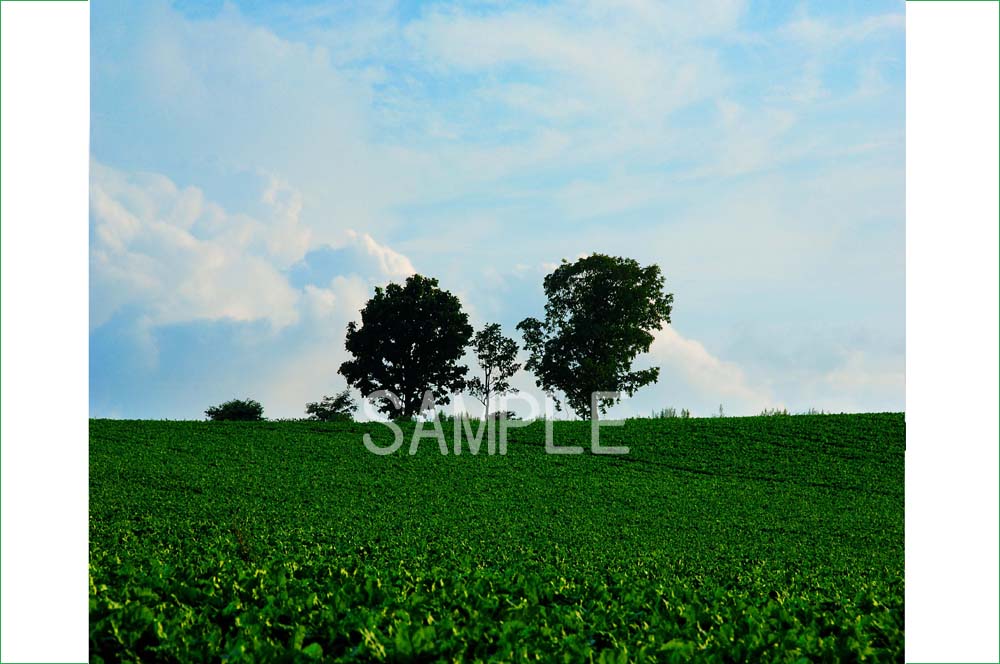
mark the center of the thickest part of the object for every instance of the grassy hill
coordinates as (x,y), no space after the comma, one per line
(735,539)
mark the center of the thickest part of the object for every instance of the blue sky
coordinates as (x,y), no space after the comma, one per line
(257,169)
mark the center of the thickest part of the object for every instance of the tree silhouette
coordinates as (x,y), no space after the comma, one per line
(497,357)
(409,342)
(339,408)
(600,315)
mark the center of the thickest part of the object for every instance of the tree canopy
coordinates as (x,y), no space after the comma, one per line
(600,315)
(409,342)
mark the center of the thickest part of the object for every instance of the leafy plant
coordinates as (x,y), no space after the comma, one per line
(752,539)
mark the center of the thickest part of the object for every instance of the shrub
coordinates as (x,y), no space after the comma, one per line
(246,410)
(338,408)
(508,415)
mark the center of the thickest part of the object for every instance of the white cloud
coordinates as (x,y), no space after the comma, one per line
(169,253)
(178,257)
(688,368)
(222,95)
(384,261)
(822,33)
(287,240)
(332,306)
(861,379)
(629,59)
(308,371)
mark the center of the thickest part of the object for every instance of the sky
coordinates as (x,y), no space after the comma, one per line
(257,169)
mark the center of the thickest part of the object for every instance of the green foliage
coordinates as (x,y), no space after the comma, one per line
(761,539)
(497,357)
(245,410)
(600,315)
(410,341)
(338,408)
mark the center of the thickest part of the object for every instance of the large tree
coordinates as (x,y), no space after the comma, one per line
(410,341)
(600,315)
(497,357)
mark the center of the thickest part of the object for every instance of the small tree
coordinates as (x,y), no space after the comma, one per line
(245,410)
(496,354)
(338,408)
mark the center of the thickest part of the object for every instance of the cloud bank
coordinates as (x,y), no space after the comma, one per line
(258,169)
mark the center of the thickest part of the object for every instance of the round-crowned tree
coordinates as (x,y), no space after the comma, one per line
(601,313)
(409,343)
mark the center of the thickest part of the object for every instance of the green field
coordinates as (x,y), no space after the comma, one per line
(732,539)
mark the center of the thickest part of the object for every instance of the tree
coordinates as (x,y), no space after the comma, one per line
(339,408)
(600,315)
(410,341)
(496,354)
(246,410)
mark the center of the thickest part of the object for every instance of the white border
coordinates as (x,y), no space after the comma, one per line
(952,315)
(43,330)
